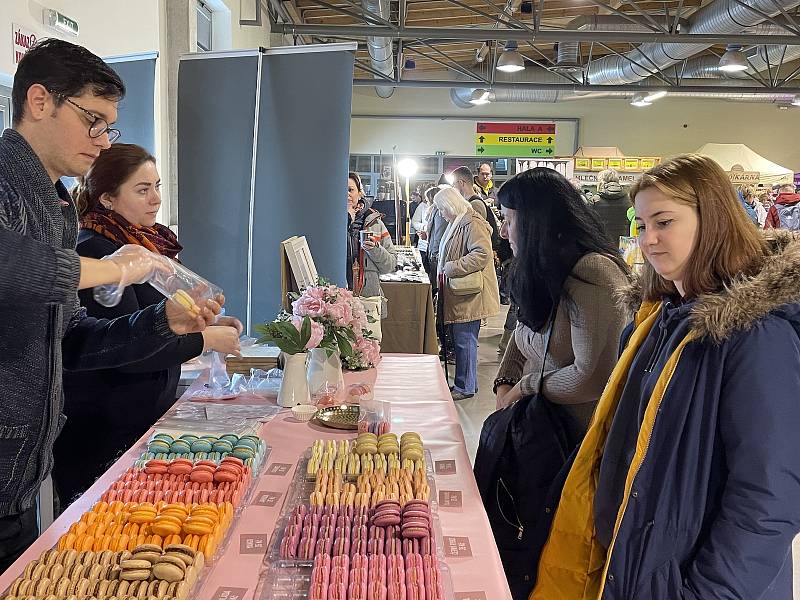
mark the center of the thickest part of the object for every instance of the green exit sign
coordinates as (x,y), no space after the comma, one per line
(60,22)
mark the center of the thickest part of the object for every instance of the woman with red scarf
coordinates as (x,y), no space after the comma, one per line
(108,410)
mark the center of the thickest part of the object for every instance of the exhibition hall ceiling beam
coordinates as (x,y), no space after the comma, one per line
(543,35)
(566,87)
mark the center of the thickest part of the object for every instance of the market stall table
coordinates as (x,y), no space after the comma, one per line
(410,327)
(420,401)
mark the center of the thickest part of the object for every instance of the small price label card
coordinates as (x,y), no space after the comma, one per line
(450,499)
(470,596)
(253,543)
(457,547)
(279,469)
(229,593)
(267,498)
(445,467)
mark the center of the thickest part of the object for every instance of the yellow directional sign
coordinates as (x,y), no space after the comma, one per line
(503,139)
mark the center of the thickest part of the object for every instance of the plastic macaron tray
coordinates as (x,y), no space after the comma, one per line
(359,528)
(153,530)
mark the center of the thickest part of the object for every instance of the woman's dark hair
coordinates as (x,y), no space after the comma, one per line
(555,229)
(109,171)
(65,69)
(357,179)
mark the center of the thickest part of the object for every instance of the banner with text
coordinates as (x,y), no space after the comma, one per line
(531,140)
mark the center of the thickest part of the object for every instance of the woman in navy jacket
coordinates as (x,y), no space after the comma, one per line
(687,485)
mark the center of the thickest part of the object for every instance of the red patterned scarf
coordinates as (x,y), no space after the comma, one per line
(115,227)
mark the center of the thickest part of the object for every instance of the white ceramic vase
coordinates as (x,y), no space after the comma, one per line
(294,387)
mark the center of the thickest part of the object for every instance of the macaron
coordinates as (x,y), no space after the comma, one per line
(168,572)
(180,447)
(158,446)
(164,436)
(246,454)
(222,445)
(202,445)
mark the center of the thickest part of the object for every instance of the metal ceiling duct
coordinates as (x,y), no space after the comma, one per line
(380,48)
(567,58)
(697,72)
(723,16)
(461,96)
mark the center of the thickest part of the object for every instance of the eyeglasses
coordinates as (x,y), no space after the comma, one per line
(98,126)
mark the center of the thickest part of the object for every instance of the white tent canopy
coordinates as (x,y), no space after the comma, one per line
(730,155)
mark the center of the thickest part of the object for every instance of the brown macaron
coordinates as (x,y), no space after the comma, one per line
(135,575)
(168,572)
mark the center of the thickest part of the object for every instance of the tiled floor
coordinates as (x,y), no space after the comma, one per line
(473,411)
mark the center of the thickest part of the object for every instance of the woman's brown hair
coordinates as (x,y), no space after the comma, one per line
(728,245)
(108,172)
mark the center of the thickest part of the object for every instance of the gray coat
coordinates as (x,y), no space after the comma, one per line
(380,260)
(42,327)
(436,229)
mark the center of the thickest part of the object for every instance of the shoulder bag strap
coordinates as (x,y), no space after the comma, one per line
(547,336)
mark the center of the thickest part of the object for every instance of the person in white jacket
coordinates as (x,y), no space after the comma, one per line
(419,224)
(750,197)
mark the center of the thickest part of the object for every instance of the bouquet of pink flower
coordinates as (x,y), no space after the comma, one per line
(339,317)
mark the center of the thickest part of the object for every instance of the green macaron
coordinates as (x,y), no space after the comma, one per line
(180,447)
(202,446)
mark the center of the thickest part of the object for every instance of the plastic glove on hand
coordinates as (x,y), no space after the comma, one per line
(137,264)
(183,321)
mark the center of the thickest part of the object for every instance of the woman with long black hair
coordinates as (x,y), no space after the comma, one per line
(564,266)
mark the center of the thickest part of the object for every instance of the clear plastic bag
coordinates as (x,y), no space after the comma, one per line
(374,416)
(185,287)
(261,385)
(180,284)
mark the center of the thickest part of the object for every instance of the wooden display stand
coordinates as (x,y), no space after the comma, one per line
(297,268)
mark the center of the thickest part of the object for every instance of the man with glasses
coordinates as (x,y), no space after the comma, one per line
(64,99)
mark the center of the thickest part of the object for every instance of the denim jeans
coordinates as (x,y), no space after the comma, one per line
(465,342)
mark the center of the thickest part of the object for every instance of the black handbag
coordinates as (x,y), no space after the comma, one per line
(522,448)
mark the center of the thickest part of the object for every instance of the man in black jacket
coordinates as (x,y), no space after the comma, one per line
(611,204)
(64,100)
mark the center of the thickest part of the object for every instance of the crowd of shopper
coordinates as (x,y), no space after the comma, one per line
(686,481)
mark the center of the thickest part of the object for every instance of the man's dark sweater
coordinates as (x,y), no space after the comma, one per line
(42,328)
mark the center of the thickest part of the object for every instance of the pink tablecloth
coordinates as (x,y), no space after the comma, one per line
(415,386)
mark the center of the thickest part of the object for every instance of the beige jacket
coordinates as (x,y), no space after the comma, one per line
(469,250)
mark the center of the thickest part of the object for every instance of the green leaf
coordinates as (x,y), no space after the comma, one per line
(305,332)
(345,347)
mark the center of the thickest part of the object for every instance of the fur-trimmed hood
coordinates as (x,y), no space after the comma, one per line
(742,303)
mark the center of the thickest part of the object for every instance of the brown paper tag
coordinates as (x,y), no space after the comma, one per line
(450,499)
(457,547)
(279,469)
(445,467)
(253,543)
(267,498)
(229,593)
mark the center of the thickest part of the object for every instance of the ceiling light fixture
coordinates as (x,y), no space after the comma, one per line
(653,96)
(510,60)
(796,101)
(479,96)
(733,60)
(639,101)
